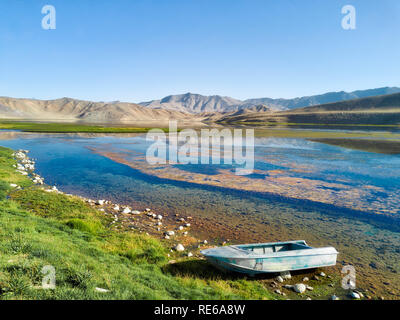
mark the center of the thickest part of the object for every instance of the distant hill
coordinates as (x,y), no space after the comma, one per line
(323,98)
(196,103)
(194,107)
(72,109)
(379,110)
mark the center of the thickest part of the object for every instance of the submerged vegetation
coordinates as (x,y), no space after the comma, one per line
(91,259)
(54,127)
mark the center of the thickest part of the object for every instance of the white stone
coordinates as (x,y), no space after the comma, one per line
(279,279)
(179,247)
(135,212)
(100,202)
(102,290)
(286,275)
(148,209)
(322,274)
(13,185)
(126,210)
(166,237)
(305,279)
(354,295)
(159,217)
(299,288)
(205,241)
(170,233)
(116,208)
(190,254)
(180,228)
(187,225)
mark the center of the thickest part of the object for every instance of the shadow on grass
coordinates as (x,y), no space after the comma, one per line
(204,270)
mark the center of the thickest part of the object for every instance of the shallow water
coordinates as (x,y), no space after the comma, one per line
(300,189)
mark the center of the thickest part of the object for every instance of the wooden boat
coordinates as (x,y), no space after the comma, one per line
(270,257)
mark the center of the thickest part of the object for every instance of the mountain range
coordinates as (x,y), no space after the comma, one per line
(196,103)
(376,110)
(195,108)
(73,109)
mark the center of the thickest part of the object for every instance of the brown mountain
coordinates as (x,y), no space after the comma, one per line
(72,109)
(384,109)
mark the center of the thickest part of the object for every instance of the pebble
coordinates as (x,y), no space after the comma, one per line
(279,279)
(309,288)
(205,241)
(102,290)
(299,288)
(286,275)
(277,291)
(190,254)
(179,247)
(305,279)
(170,233)
(126,210)
(180,228)
(354,295)
(98,202)
(322,274)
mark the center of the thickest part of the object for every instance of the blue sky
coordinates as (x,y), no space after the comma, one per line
(137,50)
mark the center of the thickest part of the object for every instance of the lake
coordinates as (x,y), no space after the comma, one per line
(324,193)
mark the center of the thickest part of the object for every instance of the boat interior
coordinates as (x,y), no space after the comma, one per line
(271,248)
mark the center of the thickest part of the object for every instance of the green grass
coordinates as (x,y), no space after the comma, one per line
(38,229)
(67,128)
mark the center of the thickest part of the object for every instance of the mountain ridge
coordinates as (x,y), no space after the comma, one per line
(376,110)
(74,109)
(191,107)
(196,103)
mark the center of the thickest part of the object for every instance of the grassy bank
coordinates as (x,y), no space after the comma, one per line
(39,228)
(67,128)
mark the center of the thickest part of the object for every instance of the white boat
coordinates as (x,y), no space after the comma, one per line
(270,257)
